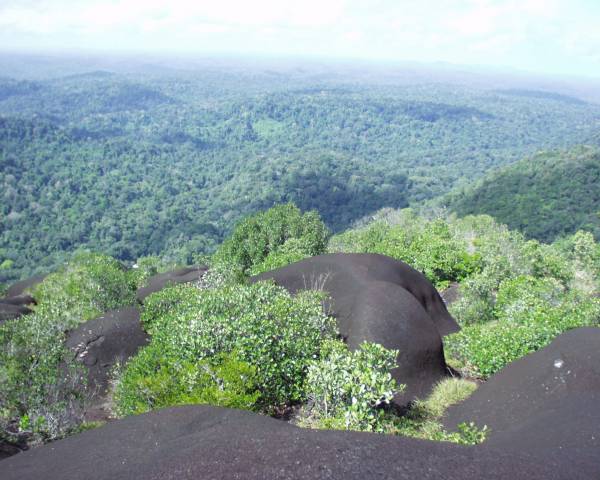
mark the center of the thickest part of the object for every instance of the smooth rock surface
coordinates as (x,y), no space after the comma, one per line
(547,402)
(104,341)
(202,442)
(9,311)
(161,280)
(19,288)
(451,294)
(23,299)
(338,271)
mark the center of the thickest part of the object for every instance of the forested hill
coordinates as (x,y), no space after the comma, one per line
(129,199)
(165,160)
(546,196)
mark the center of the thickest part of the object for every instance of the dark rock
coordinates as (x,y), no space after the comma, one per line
(451,294)
(387,314)
(14,305)
(545,403)
(19,288)
(339,272)
(203,442)
(10,312)
(23,299)
(161,280)
(102,342)
(8,449)
(378,299)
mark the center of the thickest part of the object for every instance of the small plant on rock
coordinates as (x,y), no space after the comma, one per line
(350,390)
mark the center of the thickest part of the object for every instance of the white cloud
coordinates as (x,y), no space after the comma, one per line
(460,31)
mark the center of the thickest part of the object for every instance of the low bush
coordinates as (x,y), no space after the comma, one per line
(293,250)
(505,255)
(522,328)
(517,297)
(144,268)
(153,381)
(41,387)
(270,331)
(259,236)
(349,390)
(428,246)
(85,287)
(159,307)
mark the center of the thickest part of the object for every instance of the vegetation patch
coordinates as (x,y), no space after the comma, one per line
(545,197)
(270,239)
(261,326)
(349,390)
(428,246)
(256,347)
(41,394)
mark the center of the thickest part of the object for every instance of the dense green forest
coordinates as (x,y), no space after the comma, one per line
(546,196)
(133,162)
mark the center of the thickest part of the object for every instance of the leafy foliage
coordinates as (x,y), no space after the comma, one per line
(428,246)
(526,325)
(526,294)
(269,331)
(273,237)
(153,381)
(545,197)
(349,389)
(504,255)
(41,388)
(89,285)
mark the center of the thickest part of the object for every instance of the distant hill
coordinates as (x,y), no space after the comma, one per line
(545,196)
(132,162)
(515,92)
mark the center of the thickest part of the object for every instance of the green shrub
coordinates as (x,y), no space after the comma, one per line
(153,380)
(159,306)
(548,261)
(273,332)
(518,297)
(39,380)
(221,274)
(428,246)
(33,385)
(293,250)
(144,268)
(504,255)
(258,236)
(476,301)
(349,389)
(584,254)
(486,348)
(85,287)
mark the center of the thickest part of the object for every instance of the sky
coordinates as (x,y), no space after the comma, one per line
(542,36)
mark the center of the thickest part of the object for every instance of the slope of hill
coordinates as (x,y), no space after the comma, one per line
(546,196)
(140,162)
